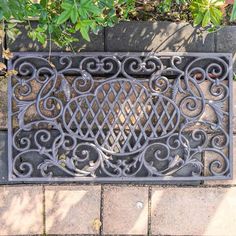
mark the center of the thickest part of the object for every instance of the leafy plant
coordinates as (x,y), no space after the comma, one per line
(233,14)
(59,21)
(207,12)
(166,5)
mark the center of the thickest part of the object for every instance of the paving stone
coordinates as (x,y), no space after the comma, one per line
(3,103)
(125,210)
(3,157)
(226,41)
(72,209)
(21,210)
(157,36)
(193,211)
(24,43)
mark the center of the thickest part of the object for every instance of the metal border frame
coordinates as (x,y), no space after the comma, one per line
(121,179)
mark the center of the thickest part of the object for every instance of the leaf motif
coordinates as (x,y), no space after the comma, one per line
(65,88)
(175,89)
(218,109)
(175,161)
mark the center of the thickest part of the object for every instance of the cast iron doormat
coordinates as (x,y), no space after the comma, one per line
(109,117)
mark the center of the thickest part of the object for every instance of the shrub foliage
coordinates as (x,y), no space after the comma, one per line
(59,21)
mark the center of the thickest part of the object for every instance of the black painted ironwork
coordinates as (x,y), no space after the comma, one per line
(120,117)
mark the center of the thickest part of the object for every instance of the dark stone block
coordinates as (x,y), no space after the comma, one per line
(226,41)
(1,60)
(24,43)
(3,158)
(157,36)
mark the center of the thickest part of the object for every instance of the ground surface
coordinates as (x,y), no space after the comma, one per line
(206,209)
(157,10)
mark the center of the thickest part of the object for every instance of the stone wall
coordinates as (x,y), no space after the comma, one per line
(205,209)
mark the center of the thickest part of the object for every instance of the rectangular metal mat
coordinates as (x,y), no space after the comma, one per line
(120,117)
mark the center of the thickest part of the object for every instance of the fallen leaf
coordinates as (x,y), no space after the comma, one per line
(58,106)
(11,72)
(62,157)
(7,54)
(51,64)
(2,66)
(97,225)
(2,34)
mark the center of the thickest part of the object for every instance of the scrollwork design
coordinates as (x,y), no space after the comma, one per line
(133,66)
(124,116)
(106,65)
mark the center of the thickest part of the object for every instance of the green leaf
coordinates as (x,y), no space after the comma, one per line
(84,2)
(74,15)
(65,15)
(66,5)
(233,14)
(206,19)
(50,29)
(43,3)
(217,13)
(212,29)
(85,34)
(217,3)
(198,19)
(83,27)
(32,35)
(83,23)
(83,13)
(41,38)
(1,15)
(216,16)
(94,9)
(10,35)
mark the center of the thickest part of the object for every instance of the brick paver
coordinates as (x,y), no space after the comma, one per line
(193,211)
(21,210)
(72,209)
(125,210)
